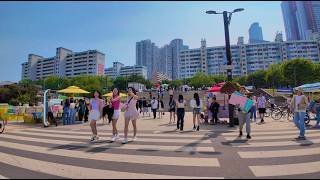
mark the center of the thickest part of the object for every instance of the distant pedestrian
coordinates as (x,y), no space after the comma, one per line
(262,106)
(196,105)
(214,108)
(66,112)
(160,107)
(172,109)
(299,105)
(154,107)
(253,114)
(181,104)
(81,110)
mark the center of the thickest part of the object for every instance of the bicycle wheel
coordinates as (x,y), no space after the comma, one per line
(276,114)
(307,119)
(268,113)
(2,125)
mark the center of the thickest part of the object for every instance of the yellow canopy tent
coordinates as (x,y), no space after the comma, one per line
(73,90)
(110,94)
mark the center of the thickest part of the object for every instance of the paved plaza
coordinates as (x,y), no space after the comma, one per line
(160,152)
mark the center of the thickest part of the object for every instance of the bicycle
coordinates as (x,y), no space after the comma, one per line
(269,111)
(280,112)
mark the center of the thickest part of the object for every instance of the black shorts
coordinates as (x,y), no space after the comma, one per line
(262,110)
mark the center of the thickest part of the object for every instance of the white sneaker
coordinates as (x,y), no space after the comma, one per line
(96,139)
(115,138)
(134,139)
(125,141)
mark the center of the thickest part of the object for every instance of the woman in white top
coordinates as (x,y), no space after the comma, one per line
(131,114)
(196,105)
(181,104)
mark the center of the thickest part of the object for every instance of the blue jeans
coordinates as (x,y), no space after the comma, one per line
(253,113)
(73,116)
(299,122)
(318,117)
(65,117)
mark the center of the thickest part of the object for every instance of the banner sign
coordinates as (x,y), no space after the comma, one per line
(238,99)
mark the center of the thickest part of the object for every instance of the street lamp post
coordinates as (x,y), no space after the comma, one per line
(227,19)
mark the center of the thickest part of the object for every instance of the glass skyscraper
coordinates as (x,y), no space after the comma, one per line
(301,19)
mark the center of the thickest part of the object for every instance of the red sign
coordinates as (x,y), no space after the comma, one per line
(100,69)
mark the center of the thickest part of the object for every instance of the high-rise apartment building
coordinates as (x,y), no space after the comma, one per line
(119,69)
(65,64)
(246,58)
(147,54)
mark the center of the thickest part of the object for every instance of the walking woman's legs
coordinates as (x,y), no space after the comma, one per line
(194,119)
(174,117)
(170,117)
(134,124)
(93,125)
(126,126)
(114,126)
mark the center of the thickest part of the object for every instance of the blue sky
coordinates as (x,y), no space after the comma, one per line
(115,27)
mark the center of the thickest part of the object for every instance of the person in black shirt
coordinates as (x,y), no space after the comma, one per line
(214,108)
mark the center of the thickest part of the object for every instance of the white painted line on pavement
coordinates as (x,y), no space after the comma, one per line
(274,137)
(139,139)
(109,134)
(75,172)
(114,145)
(285,169)
(275,144)
(280,153)
(139,159)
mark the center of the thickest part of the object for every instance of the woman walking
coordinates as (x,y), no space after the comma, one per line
(181,104)
(66,113)
(299,105)
(131,114)
(95,114)
(172,109)
(115,103)
(244,117)
(196,105)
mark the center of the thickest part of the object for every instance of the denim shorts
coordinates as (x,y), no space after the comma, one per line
(196,110)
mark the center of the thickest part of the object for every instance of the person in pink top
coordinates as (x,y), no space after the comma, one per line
(115,102)
(131,114)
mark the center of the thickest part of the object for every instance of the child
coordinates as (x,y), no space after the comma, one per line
(214,108)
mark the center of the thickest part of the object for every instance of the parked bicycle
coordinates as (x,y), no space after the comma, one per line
(283,111)
(270,110)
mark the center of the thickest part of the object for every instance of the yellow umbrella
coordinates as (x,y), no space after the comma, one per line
(110,94)
(73,90)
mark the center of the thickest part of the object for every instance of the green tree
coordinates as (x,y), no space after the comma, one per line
(274,76)
(257,79)
(298,72)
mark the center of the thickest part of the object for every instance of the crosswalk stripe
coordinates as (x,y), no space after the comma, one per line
(268,133)
(285,169)
(115,145)
(280,153)
(139,139)
(139,159)
(276,144)
(274,137)
(75,172)
(109,134)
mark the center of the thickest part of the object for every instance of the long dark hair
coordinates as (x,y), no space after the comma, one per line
(133,90)
(171,99)
(117,93)
(196,97)
(180,98)
(67,103)
(100,95)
